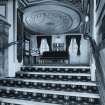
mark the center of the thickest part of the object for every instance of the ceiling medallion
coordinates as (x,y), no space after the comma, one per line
(51,19)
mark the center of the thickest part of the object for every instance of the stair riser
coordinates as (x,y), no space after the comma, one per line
(53,77)
(51,85)
(61,70)
(53,103)
(78,88)
(50,98)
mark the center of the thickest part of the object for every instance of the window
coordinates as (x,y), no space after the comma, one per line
(58,46)
(3,10)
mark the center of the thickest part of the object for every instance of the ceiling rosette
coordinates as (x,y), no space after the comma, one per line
(51,19)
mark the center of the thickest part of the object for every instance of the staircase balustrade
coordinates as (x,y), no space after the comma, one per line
(99,72)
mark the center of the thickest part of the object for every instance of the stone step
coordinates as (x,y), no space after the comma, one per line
(56,69)
(62,93)
(22,102)
(33,102)
(50,85)
(50,73)
(53,77)
(60,66)
(47,86)
(48,98)
(51,81)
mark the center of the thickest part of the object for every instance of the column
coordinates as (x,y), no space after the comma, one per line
(11,16)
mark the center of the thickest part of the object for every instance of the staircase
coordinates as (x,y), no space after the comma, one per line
(50,85)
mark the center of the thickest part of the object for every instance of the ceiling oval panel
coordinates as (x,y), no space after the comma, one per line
(51,19)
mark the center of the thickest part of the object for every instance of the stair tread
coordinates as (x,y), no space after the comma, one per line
(51,73)
(24,102)
(32,102)
(60,66)
(51,81)
(46,85)
(78,94)
(56,89)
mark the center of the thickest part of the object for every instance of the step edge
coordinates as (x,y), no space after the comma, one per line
(49,73)
(78,94)
(81,67)
(24,102)
(56,82)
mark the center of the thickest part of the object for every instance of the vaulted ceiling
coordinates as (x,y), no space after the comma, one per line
(52,16)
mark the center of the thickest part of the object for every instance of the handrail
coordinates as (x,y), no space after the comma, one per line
(21,43)
(96,55)
(15,42)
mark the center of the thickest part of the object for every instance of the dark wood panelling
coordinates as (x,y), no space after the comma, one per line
(19,34)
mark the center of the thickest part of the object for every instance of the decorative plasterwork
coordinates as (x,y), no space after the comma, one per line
(40,1)
(51,19)
(28,3)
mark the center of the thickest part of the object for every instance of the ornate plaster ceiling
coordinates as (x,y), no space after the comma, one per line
(36,1)
(51,19)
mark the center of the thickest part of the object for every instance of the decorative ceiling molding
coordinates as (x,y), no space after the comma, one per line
(22,4)
(79,6)
(51,19)
(36,1)
(28,3)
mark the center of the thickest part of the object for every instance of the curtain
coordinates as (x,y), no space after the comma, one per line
(33,45)
(78,40)
(68,41)
(73,48)
(48,38)
(44,46)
